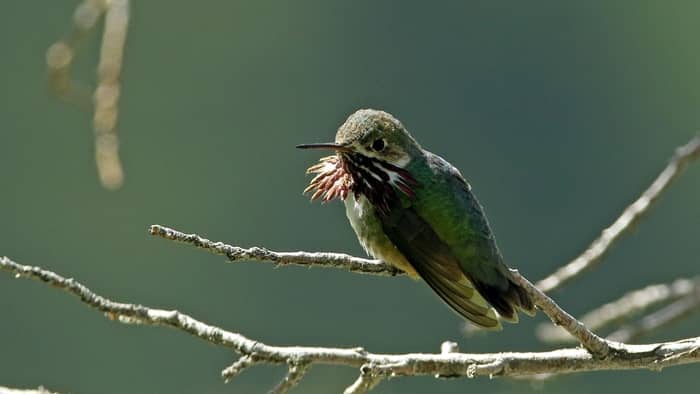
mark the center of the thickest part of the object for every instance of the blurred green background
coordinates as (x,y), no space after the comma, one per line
(559,113)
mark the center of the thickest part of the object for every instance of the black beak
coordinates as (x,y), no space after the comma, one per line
(326,145)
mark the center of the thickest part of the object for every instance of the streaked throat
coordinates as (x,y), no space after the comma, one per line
(348,172)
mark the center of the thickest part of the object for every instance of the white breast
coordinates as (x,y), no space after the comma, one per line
(368,228)
(357,211)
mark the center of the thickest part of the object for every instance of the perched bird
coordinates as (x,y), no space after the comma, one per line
(415,211)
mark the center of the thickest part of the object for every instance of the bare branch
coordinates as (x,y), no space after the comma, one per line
(591,341)
(663,317)
(595,344)
(621,357)
(629,305)
(630,216)
(306,259)
(104,100)
(236,368)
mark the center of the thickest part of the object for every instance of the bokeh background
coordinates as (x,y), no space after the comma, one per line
(559,114)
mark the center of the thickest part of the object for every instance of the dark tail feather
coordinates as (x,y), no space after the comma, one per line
(507,300)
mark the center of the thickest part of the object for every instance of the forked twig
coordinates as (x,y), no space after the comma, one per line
(629,217)
(597,353)
(343,261)
(650,356)
(629,306)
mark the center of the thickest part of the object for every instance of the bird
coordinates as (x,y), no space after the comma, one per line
(415,211)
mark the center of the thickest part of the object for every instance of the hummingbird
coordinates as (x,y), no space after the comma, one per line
(414,210)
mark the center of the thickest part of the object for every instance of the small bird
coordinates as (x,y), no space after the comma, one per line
(415,211)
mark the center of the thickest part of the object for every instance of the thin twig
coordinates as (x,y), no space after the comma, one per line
(365,382)
(595,344)
(664,317)
(306,259)
(294,375)
(624,308)
(650,356)
(630,216)
(589,340)
(237,367)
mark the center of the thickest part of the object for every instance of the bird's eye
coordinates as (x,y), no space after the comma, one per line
(378,145)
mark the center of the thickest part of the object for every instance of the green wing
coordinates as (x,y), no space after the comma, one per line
(444,234)
(438,266)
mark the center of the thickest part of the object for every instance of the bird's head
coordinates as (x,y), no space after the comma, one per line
(372,151)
